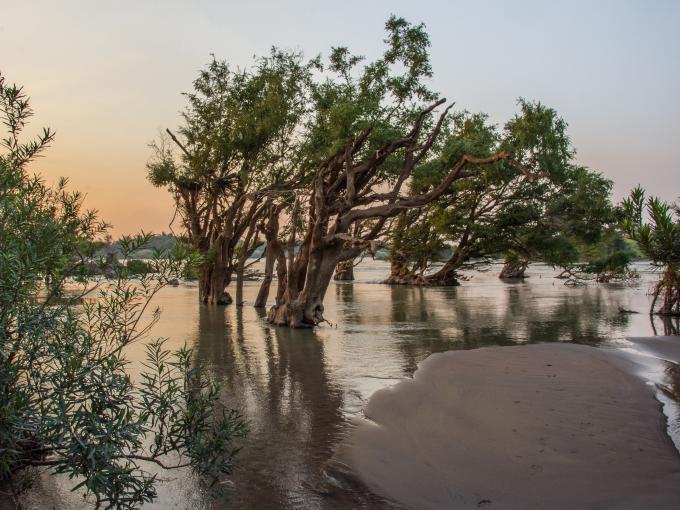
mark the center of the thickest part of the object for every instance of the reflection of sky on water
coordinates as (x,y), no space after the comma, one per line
(298,388)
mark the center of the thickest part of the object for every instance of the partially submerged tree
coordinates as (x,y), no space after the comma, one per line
(69,405)
(371,129)
(659,240)
(573,227)
(343,194)
(500,211)
(236,145)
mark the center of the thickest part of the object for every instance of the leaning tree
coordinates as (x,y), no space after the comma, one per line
(236,145)
(500,211)
(370,129)
(345,191)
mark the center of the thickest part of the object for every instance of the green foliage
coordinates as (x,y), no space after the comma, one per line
(138,267)
(385,95)
(67,401)
(237,146)
(659,240)
(237,127)
(549,216)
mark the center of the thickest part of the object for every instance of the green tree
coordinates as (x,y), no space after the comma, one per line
(499,211)
(235,148)
(372,127)
(67,401)
(659,240)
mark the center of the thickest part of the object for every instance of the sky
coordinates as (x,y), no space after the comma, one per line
(108,76)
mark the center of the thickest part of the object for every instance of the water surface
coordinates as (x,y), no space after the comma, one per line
(299,388)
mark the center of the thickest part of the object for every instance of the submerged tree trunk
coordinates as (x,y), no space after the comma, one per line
(344,271)
(399,271)
(343,195)
(514,270)
(239,285)
(263,293)
(446,276)
(212,283)
(250,244)
(669,286)
(304,308)
(273,256)
(308,275)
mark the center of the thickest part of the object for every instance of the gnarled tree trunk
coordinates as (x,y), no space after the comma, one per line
(212,282)
(344,194)
(273,255)
(263,293)
(400,274)
(308,274)
(446,276)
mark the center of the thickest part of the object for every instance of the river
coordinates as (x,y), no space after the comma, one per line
(298,389)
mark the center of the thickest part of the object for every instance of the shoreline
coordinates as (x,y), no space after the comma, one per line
(533,426)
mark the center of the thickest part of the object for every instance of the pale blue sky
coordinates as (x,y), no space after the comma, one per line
(108,75)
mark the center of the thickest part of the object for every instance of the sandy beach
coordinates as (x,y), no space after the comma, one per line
(546,426)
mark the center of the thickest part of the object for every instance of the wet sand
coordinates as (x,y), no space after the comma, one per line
(556,426)
(663,347)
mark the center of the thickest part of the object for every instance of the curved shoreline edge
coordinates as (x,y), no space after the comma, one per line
(538,426)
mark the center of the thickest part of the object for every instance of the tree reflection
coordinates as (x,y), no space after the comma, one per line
(279,379)
(670,326)
(434,320)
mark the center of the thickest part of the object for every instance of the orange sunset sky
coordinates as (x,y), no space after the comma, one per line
(107,76)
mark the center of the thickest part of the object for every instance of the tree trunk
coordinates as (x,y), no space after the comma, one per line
(446,276)
(273,255)
(670,287)
(400,274)
(212,282)
(513,270)
(344,271)
(304,308)
(263,293)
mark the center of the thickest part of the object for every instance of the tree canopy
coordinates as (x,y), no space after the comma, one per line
(237,143)
(502,212)
(328,158)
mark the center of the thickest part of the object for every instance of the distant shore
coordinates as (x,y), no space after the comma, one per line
(557,426)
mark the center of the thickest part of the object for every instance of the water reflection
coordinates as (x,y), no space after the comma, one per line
(669,325)
(298,389)
(280,379)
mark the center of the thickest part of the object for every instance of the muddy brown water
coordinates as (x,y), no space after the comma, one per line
(298,389)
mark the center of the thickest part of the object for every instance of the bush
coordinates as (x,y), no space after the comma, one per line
(659,240)
(138,267)
(67,402)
